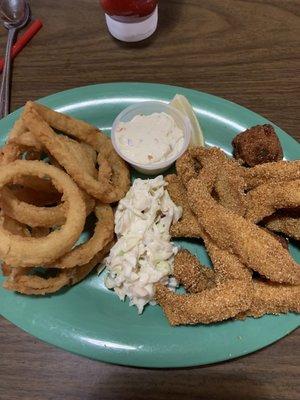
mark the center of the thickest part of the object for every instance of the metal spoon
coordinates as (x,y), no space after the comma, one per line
(15,14)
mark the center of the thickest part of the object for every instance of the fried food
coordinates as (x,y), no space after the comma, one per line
(13,226)
(214,205)
(17,130)
(188,225)
(193,162)
(203,163)
(107,191)
(6,269)
(196,278)
(105,170)
(64,154)
(281,239)
(268,198)
(38,216)
(30,214)
(39,231)
(286,221)
(218,303)
(17,228)
(226,265)
(23,140)
(276,172)
(273,298)
(103,234)
(229,190)
(9,153)
(257,145)
(119,178)
(27,140)
(220,173)
(34,182)
(229,231)
(191,274)
(27,281)
(43,211)
(24,252)
(32,196)
(23,280)
(82,154)
(73,127)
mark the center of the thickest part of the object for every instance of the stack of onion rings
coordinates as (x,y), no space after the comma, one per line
(49,183)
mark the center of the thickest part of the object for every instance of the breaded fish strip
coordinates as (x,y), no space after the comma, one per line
(218,303)
(219,172)
(255,248)
(286,222)
(195,159)
(188,225)
(268,198)
(191,274)
(279,171)
(226,265)
(273,298)
(229,188)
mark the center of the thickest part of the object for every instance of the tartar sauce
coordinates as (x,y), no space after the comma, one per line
(151,138)
(143,254)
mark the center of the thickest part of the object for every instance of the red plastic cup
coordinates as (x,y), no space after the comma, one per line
(131,20)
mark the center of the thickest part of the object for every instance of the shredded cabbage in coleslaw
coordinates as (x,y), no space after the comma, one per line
(143,254)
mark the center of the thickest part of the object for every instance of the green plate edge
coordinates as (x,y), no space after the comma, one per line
(234,338)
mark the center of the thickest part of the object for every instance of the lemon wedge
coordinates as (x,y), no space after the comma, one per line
(182,104)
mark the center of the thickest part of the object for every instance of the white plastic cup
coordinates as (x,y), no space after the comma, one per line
(148,108)
(129,29)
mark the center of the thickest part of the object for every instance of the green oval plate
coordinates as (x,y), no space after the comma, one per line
(88,319)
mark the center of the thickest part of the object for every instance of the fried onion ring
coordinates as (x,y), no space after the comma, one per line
(66,156)
(37,198)
(23,252)
(13,226)
(107,191)
(36,216)
(27,140)
(23,282)
(71,126)
(35,183)
(9,153)
(103,233)
(83,156)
